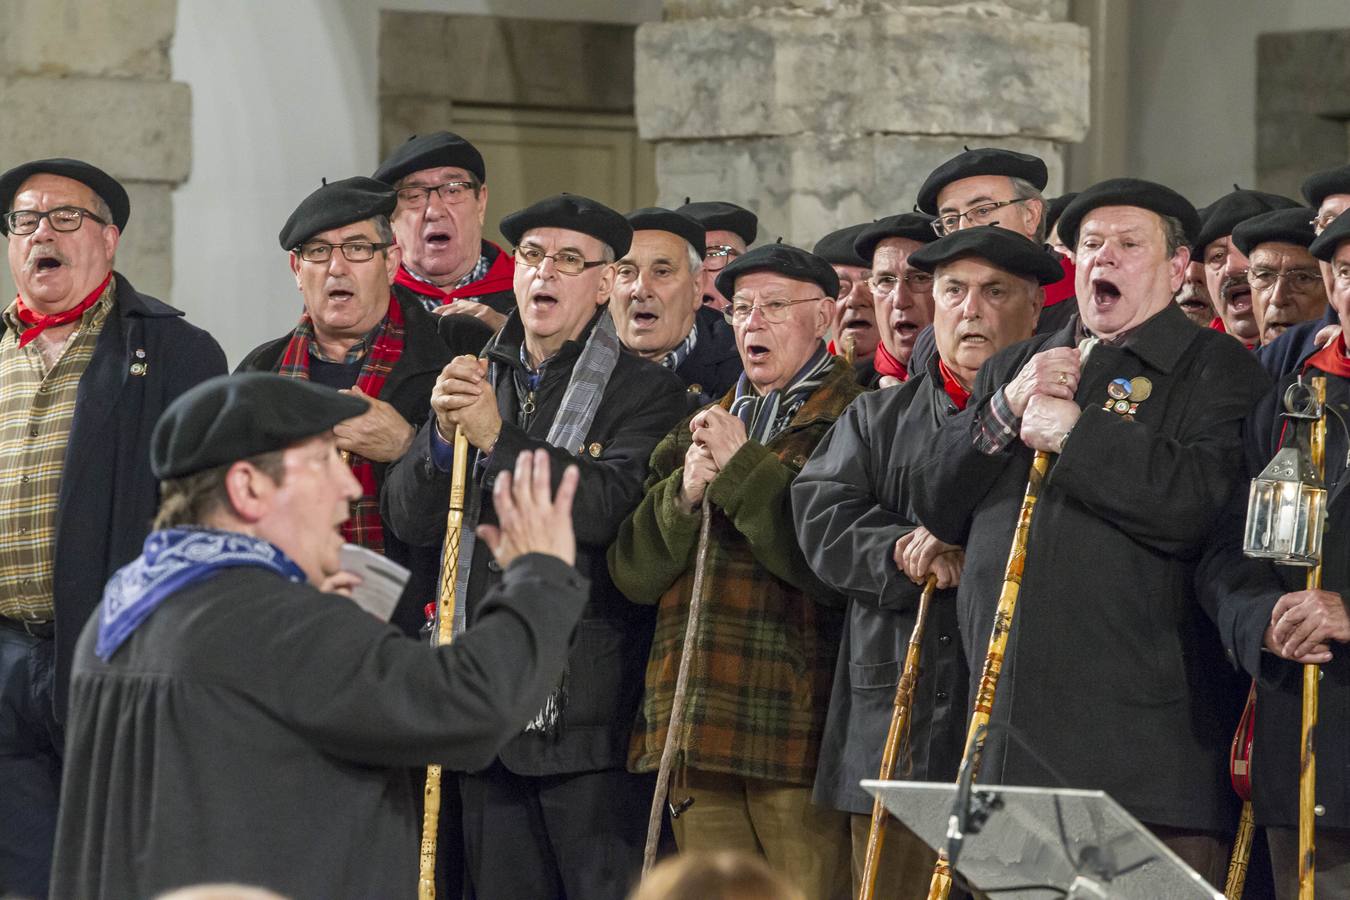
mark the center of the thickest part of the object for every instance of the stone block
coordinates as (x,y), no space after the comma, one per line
(906,73)
(136,130)
(1045,10)
(403,116)
(144,254)
(1302,106)
(120,38)
(804,186)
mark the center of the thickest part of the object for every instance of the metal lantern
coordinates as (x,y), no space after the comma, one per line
(1286,509)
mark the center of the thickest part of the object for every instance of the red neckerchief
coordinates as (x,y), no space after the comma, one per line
(1063,289)
(500,277)
(886,364)
(1217,324)
(960,396)
(364,526)
(1331,359)
(37,322)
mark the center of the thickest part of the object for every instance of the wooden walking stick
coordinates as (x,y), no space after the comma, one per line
(445,623)
(1312,674)
(900,719)
(677,704)
(1240,770)
(941,885)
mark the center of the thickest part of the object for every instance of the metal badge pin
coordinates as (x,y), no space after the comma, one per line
(595,451)
(1140,389)
(140,353)
(139,368)
(1118,389)
(1121,406)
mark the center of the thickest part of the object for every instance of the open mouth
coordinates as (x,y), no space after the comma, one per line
(1104,291)
(973,339)
(340,294)
(1240,299)
(543,301)
(858,325)
(437,239)
(1193,305)
(756,352)
(47,264)
(643,319)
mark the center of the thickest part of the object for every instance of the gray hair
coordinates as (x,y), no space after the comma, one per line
(192,499)
(695,260)
(1174,235)
(383,230)
(1025,190)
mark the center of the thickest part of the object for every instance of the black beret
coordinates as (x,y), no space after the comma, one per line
(915,226)
(233,417)
(785,259)
(1324,247)
(1002,247)
(431,151)
(1055,207)
(836,248)
(1147,195)
(718,215)
(981,161)
(336,204)
(1321,185)
(97,180)
(656,218)
(1231,210)
(575,213)
(1288,226)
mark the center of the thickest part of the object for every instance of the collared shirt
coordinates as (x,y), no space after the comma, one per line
(37,410)
(477,273)
(356,352)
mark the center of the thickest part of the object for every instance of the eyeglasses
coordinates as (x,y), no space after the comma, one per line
(773,311)
(719,252)
(846,285)
(1320,223)
(915,281)
(1300,280)
(353,251)
(452,192)
(568,262)
(63,218)
(980,215)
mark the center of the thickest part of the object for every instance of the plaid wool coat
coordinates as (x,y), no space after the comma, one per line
(765,650)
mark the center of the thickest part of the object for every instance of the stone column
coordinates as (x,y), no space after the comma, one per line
(91,81)
(821,113)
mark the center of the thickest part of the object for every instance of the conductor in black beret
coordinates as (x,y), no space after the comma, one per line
(231,721)
(88,364)
(1110,667)
(555,813)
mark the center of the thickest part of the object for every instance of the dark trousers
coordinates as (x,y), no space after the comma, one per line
(30,763)
(554,836)
(1331,876)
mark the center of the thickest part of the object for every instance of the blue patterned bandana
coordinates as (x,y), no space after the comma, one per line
(170,561)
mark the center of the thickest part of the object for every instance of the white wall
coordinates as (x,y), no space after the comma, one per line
(283,93)
(1192,119)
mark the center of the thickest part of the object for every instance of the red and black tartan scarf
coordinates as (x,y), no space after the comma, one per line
(386,346)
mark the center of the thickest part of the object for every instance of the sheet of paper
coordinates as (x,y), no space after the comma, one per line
(382,580)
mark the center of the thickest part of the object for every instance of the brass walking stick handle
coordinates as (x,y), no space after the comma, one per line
(900,720)
(445,624)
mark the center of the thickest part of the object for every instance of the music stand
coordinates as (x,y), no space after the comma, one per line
(1047,843)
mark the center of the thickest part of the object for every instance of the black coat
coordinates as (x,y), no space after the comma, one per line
(1246,590)
(108,495)
(714,365)
(851,507)
(1109,667)
(429,345)
(605,670)
(258,731)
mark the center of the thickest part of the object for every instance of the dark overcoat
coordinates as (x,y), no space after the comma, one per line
(146,355)
(1110,663)
(851,507)
(714,365)
(604,683)
(1247,590)
(430,343)
(260,732)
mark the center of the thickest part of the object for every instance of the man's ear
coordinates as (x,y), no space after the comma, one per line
(296,262)
(249,490)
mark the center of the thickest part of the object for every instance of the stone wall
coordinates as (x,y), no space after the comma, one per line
(819,114)
(91,81)
(1302,106)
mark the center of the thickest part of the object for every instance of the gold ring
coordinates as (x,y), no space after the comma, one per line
(1063,378)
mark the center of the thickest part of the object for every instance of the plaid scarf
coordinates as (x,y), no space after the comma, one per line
(675,358)
(386,346)
(572,421)
(765,416)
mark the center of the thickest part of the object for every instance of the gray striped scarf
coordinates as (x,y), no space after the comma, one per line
(571,423)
